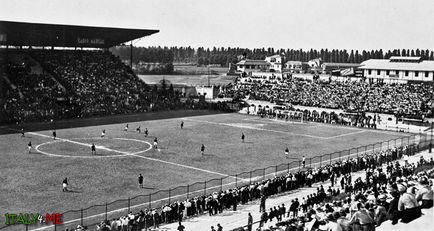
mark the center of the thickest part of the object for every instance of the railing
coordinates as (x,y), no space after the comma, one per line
(93,215)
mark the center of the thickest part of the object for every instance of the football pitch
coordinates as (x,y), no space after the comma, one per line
(32,183)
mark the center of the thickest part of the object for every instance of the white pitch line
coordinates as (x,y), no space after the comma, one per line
(135,154)
(260,129)
(346,134)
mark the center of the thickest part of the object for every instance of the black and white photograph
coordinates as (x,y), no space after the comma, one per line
(206,115)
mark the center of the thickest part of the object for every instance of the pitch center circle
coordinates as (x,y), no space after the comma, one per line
(122,153)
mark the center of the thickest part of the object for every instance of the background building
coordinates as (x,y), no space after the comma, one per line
(398,69)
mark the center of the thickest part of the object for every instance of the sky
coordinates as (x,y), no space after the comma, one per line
(294,24)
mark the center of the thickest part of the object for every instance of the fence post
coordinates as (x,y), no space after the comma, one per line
(221,183)
(276,171)
(330,158)
(340,156)
(149,201)
(288,168)
(106,211)
(236,180)
(188,191)
(263,174)
(320,161)
(310,162)
(170,190)
(250,178)
(204,189)
(129,204)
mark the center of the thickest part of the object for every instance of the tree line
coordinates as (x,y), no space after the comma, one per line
(223,56)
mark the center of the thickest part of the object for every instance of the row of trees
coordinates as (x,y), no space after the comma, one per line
(224,56)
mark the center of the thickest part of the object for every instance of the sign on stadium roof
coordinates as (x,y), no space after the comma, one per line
(39,34)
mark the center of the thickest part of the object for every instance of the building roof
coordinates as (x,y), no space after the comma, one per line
(252,62)
(405,58)
(385,64)
(342,64)
(38,34)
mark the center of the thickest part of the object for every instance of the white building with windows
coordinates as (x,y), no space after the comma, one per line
(275,62)
(398,69)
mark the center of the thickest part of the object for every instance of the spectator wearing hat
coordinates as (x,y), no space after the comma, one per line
(380,210)
(342,220)
(425,194)
(408,206)
(331,223)
(393,208)
(363,219)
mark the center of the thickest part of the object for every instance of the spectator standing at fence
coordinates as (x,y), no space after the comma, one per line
(140,178)
(303,161)
(262,204)
(249,222)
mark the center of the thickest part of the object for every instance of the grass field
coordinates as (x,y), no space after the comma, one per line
(32,182)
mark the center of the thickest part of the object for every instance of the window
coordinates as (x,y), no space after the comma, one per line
(369,72)
(387,72)
(426,74)
(416,74)
(406,73)
(378,72)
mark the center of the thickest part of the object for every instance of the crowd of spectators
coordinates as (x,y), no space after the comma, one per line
(392,192)
(375,182)
(353,96)
(84,83)
(35,95)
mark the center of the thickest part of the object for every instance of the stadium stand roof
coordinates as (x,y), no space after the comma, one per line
(386,64)
(39,34)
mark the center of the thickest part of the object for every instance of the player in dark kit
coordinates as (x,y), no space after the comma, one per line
(182,124)
(140,181)
(287,153)
(30,146)
(139,130)
(54,134)
(103,133)
(65,185)
(146,132)
(202,149)
(93,149)
(155,143)
(126,128)
(242,137)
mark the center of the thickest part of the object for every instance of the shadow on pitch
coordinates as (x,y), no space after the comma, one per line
(73,191)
